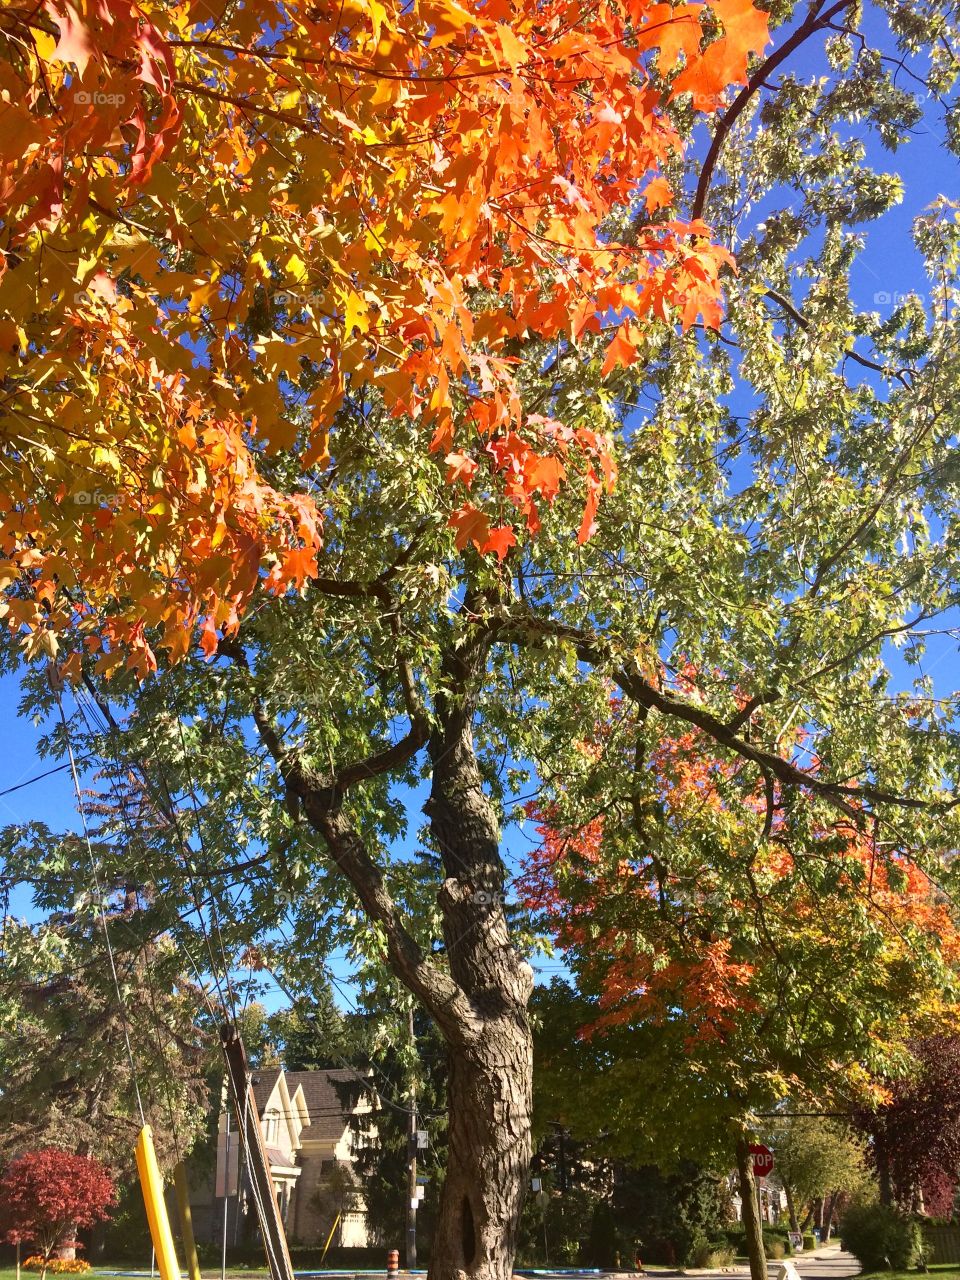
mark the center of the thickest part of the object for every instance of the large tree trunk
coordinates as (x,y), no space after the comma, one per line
(751,1212)
(489,1093)
(479,999)
(491,1076)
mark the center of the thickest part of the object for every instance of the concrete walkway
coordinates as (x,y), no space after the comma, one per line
(827,1263)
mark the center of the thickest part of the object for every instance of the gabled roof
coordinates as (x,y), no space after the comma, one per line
(322,1100)
(263,1084)
(330,1097)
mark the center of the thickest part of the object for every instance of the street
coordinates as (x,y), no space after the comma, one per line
(826,1265)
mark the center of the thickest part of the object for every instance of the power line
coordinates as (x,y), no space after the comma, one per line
(54,679)
(28,782)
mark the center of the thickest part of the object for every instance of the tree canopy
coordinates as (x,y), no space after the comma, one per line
(315,204)
(760,586)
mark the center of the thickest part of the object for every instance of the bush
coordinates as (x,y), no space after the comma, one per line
(809,1240)
(776,1243)
(711,1255)
(880,1237)
(57,1266)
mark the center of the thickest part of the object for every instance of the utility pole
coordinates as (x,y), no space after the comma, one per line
(412,1202)
(251,1137)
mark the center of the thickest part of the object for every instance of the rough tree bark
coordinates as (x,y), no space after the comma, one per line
(791,1207)
(751,1213)
(491,1079)
(479,1000)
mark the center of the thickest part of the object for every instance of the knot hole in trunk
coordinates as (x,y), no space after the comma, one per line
(468,1236)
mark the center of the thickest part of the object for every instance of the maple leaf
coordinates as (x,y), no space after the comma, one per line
(460,466)
(658,194)
(75,43)
(499,541)
(471,524)
(588,522)
(620,351)
(209,640)
(744,24)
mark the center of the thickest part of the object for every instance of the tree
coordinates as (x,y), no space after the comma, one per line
(338,254)
(816,1158)
(64,1059)
(721,951)
(318,1036)
(46,1195)
(914,1133)
(777,520)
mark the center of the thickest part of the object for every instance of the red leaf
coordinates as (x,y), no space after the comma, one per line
(460,466)
(588,524)
(471,524)
(500,541)
(74,43)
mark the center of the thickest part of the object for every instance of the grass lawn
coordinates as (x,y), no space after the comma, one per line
(941,1270)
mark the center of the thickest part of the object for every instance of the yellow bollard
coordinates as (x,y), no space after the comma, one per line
(152,1186)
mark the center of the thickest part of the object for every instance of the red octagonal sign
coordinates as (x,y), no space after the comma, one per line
(762,1160)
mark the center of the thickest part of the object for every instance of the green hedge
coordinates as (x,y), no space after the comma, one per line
(303,1257)
(880,1237)
(809,1240)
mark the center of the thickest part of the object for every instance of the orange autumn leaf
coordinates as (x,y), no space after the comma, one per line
(620,351)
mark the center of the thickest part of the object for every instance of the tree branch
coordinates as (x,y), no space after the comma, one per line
(809,27)
(595,651)
(320,798)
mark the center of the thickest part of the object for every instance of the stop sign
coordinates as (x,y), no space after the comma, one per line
(762,1160)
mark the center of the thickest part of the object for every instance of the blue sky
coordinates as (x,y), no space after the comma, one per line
(888,266)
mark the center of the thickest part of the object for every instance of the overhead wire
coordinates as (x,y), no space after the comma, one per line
(121,1006)
(169,811)
(39,777)
(166,812)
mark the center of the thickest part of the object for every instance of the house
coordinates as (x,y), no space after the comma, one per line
(305,1118)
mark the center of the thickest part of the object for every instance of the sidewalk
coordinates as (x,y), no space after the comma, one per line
(839,1266)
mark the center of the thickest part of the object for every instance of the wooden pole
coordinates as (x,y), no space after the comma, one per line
(186,1219)
(251,1136)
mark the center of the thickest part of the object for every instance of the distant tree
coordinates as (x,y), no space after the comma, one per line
(382,1134)
(316,1035)
(816,1159)
(45,1196)
(915,1137)
(676,1215)
(63,1059)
